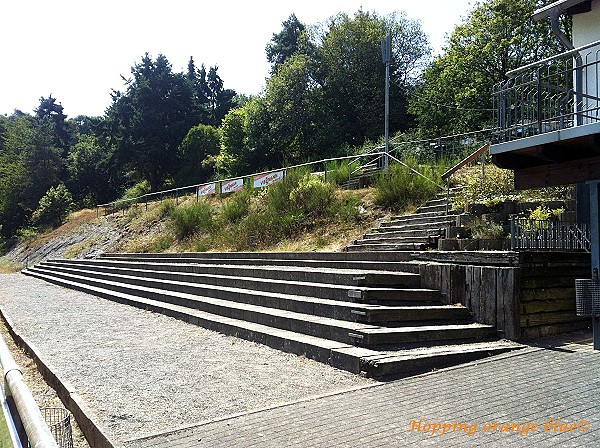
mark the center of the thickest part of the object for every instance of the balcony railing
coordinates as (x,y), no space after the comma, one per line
(556,93)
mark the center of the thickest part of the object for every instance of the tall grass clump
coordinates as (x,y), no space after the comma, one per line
(190,219)
(301,202)
(401,187)
(338,171)
(236,207)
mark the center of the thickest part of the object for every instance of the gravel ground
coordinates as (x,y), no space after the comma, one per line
(141,373)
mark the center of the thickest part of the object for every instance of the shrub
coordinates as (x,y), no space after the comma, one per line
(312,197)
(166,208)
(190,219)
(235,208)
(278,195)
(482,228)
(53,207)
(401,187)
(497,186)
(139,189)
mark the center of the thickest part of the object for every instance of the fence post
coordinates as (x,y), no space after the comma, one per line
(483,166)
(539,100)
(513,231)
(447,195)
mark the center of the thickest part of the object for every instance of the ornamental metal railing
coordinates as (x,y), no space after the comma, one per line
(556,93)
(535,234)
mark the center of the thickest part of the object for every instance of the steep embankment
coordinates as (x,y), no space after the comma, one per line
(151,229)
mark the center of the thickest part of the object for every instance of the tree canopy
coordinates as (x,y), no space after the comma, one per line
(323,97)
(497,36)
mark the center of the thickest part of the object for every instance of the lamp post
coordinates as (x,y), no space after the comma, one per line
(386,54)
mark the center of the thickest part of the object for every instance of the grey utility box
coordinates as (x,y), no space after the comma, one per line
(587,297)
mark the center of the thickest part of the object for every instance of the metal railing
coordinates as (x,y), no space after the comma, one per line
(176,192)
(446,147)
(555,93)
(447,176)
(24,411)
(534,234)
(456,145)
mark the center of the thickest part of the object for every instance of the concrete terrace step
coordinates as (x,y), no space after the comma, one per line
(421,218)
(434,209)
(344,331)
(374,363)
(401,266)
(390,233)
(357,311)
(220,283)
(439,201)
(290,273)
(369,247)
(393,239)
(269,256)
(398,226)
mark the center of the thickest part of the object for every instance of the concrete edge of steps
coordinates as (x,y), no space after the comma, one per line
(361,360)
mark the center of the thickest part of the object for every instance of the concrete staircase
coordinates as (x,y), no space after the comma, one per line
(362,312)
(418,231)
(362,178)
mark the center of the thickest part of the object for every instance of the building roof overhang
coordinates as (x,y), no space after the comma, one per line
(562,7)
(565,156)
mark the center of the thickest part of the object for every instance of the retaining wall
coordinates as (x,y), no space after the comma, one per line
(524,294)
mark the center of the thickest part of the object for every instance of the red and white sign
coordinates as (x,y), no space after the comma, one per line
(204,190)
(264,180)
(232,186)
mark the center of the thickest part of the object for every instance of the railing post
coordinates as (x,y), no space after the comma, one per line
(539,100)
(447,194)
(513,233)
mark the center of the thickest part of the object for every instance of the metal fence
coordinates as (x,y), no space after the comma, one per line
(534,234)
(556,93)
(432,149)
(449,147)
(111,207)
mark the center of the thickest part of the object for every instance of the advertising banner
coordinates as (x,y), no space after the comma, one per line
(232,186)
(204,190)
(264,180)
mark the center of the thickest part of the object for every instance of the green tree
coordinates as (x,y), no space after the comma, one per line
(285,44)
(91,175)
(149,120)
(496,37)
(233,158)
(351,74)
(13,172)
(52,111)
(211,97)
(292,99)
(53,207)
(197,153)
(44,163)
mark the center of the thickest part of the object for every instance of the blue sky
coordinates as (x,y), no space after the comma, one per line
(76,50)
